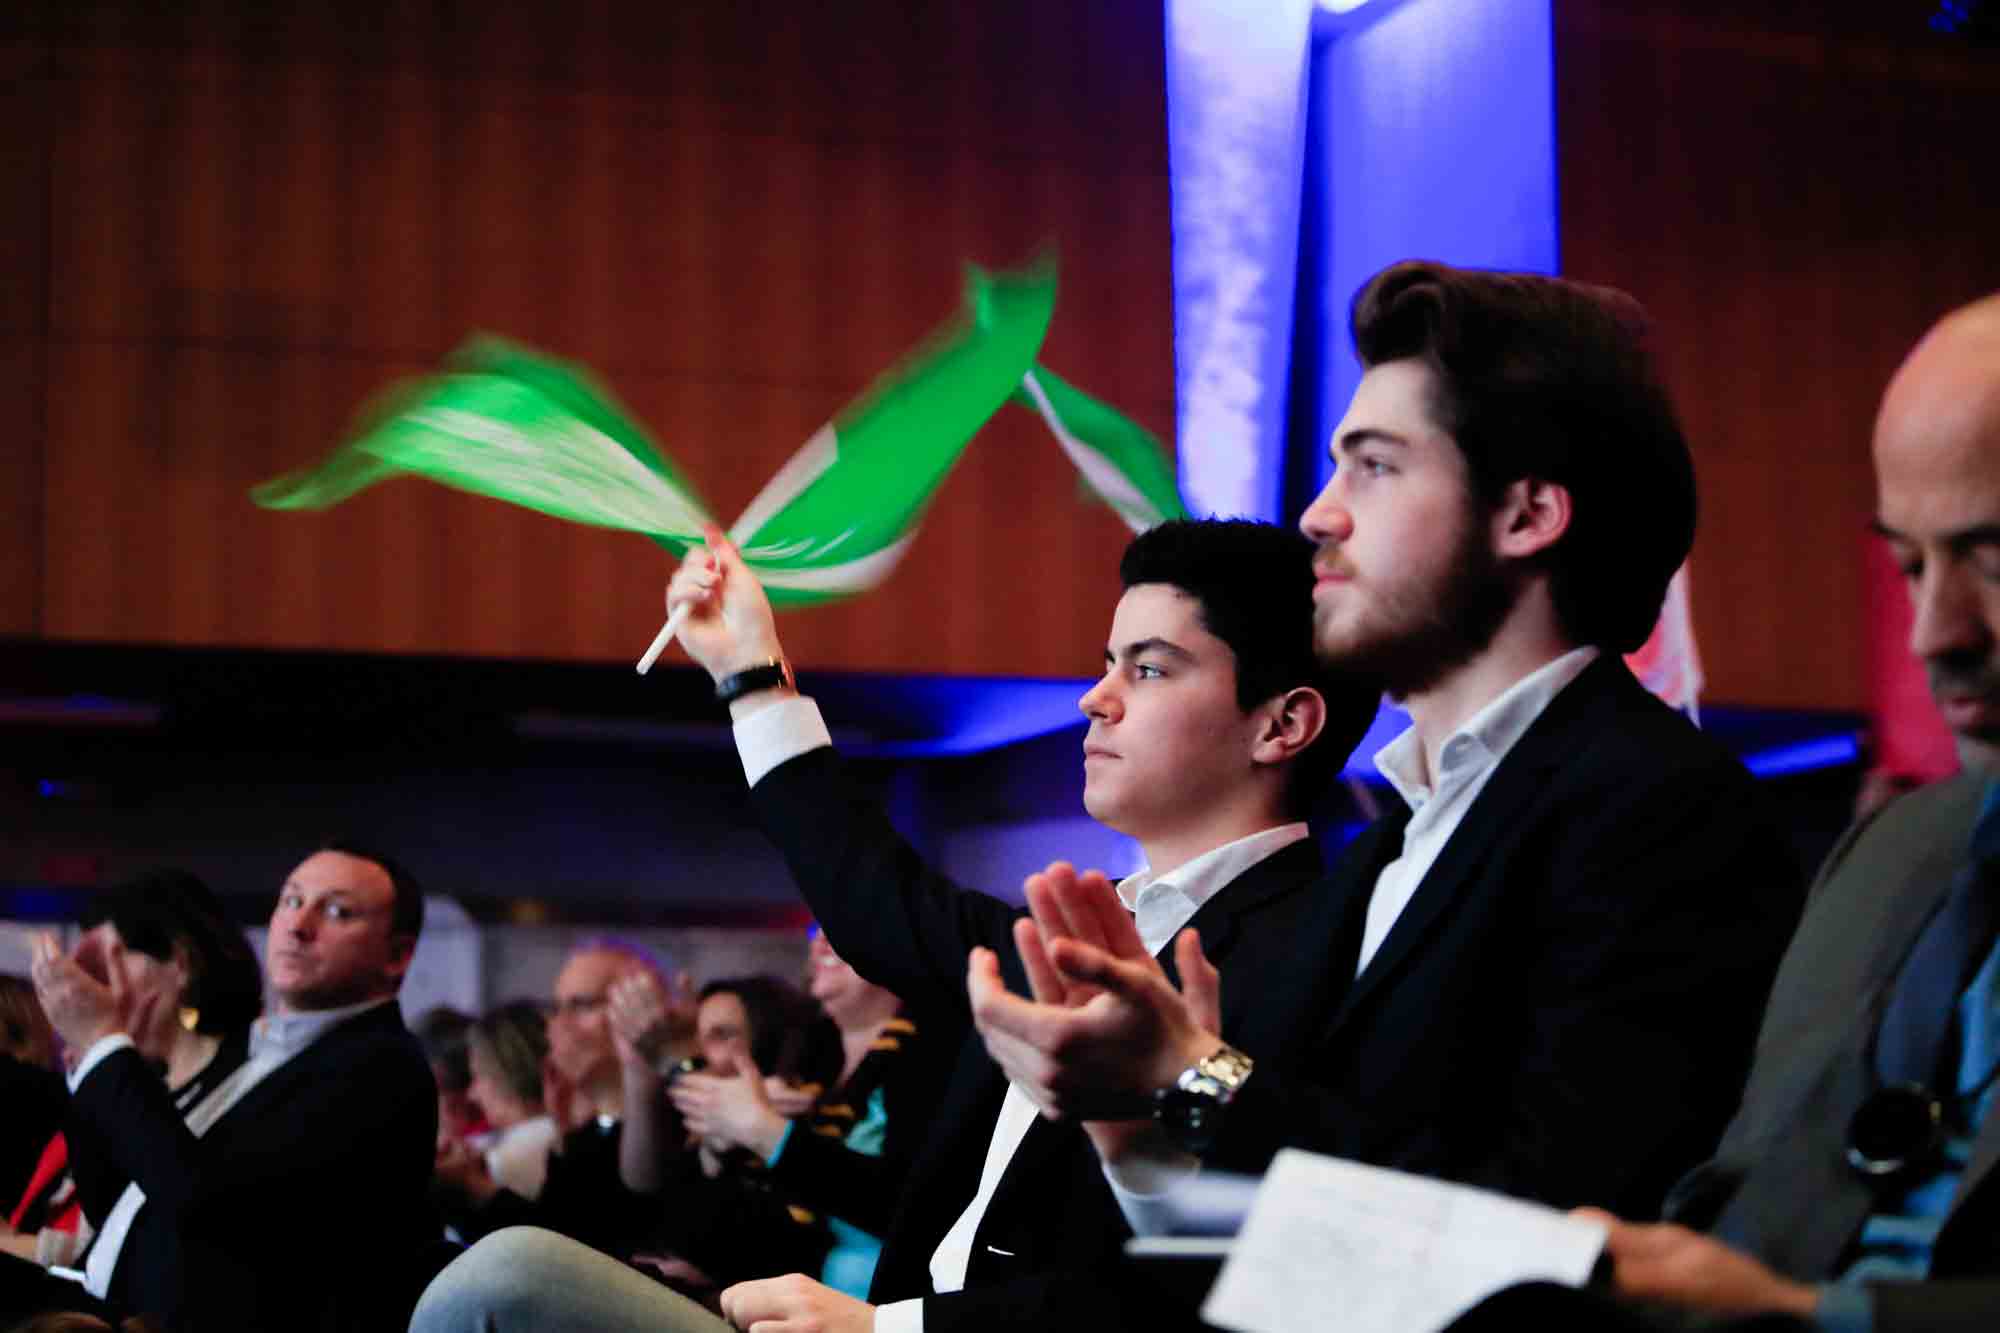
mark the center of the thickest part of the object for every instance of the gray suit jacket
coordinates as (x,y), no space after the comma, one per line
(1779,1185)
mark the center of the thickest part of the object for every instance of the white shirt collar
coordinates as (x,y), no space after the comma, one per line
(1162,903)
(1486,736)
(285,1035)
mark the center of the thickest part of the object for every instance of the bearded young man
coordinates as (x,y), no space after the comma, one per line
(1545,974)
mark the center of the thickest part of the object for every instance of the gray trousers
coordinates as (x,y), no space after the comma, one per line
(526,1280)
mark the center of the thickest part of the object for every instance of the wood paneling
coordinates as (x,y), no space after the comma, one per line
(1795,192)
(24,249)
(739,215)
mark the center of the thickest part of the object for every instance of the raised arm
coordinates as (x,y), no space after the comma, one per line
(901,924)
(647,1030)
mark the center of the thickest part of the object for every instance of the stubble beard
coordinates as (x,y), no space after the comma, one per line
(1419,636)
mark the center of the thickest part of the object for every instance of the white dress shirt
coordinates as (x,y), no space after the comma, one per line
(1465,761)
(274,1039)
(1161,904)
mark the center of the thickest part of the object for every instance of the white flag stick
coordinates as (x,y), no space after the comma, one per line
(664,637)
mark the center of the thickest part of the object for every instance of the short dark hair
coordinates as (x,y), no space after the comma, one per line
(790,1035)
(406,915)
(162,908)
(445,1034)
(1547,378)
(1253,585)
(515,1037)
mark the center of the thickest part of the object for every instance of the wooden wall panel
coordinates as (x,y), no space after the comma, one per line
(1795,192)
(21,485)
(738,214)
(24,219)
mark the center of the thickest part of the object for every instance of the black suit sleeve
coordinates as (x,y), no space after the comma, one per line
(1648,917)
(99,1176)
(896,921)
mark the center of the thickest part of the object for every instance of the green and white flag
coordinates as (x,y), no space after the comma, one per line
(839,515)
(503,422)
(1119,459)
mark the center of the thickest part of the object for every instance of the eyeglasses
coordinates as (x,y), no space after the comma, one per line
(575,1006)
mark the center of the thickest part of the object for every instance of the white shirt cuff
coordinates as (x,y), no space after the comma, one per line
(783,730)
(1145,1185)
(900,1317)
(94,1057)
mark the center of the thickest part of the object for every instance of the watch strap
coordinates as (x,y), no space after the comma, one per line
(1190,1109)
(764,676)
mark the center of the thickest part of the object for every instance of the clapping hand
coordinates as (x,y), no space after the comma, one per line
(649,1028)
(1104,1027)
(729,1110)
(85,995)
(791,1100)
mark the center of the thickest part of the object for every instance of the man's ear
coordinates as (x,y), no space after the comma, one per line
(1532,516)
(1290,722)
(402,948)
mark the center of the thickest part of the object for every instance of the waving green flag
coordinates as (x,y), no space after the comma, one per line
(1119,459)
(504,422)
(840,514)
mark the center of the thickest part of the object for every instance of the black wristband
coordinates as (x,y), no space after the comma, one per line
(765,676)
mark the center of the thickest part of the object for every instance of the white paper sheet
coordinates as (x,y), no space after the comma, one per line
(1335,1244)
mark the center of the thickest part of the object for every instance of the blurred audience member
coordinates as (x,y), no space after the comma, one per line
(313,1153)
(583,1092)
(25,1034)
(846,1159)
(720,1217)
(30,1089)
(196,990)
(442,1032)
(507,1049)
